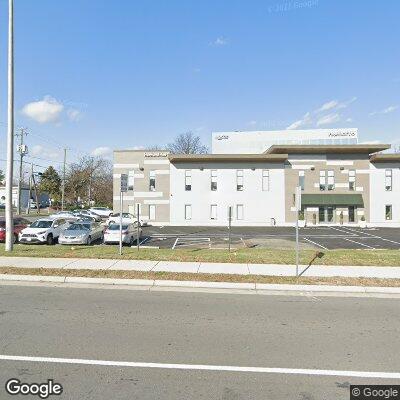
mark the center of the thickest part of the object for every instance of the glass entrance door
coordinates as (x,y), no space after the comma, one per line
(326,214)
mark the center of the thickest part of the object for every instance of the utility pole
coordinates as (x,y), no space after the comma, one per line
(63,181)
(10,130)
(30,190)
(22,150)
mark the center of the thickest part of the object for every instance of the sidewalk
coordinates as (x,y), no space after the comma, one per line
(200,267)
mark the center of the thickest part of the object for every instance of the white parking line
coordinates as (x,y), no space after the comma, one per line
(317,244)
(362,244)
(375,236)
(200,367)
(176,241)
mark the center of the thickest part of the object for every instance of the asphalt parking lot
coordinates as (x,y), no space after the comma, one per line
(323,238)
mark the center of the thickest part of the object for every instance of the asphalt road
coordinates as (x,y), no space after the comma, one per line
(194,328)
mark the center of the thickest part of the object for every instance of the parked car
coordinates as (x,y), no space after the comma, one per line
(44,230)
(85,218)
(81,233)
(104,212)
(88,213)
(2,206)
(19,225)
(126,219)
(129,234)
(64,214)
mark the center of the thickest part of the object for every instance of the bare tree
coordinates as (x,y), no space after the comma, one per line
(187,143)
(89,181)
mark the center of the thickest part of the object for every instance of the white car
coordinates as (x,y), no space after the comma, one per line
(126,219)
(104,212)
(44,230)
(129,234)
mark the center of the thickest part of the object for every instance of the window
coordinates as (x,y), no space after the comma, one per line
(188,180)
(188,211)
(265,179)
(152,181)
(331,180)
(239,211)
(239,180)
(322,180)
(301,179)
(131,180)
(213,179)
(388,212)
(352,214)
(352,180)
(388,180)
(152,212)
(213,211)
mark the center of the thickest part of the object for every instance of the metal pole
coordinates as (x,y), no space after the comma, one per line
(138,227)
(10,130)
(297,244)
(229,227)
(120,222)
(21,156)
(63,181)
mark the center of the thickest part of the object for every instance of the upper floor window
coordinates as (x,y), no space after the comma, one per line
(388,179)
(239,180)
(352,179)
(331,180)
(188,211)
(131,179)
(188,179)
(322,180)
(214,179)
(239,211)
(152,181)
(265,179)
(301,179)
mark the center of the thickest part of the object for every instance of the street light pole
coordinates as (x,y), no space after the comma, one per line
(10,130)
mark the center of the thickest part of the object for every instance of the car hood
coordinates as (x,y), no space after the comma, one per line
(34,230)
(74,232)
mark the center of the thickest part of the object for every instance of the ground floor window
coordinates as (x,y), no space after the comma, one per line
(152,212)
(213,211)
(188,211)
(239,211)
(388,212)
(326,214)
(352,214)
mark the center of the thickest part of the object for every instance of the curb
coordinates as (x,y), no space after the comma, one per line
(255,288)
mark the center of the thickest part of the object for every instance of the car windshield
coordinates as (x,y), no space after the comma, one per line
(79,227)
(41,224)
(115,227)
(2,224)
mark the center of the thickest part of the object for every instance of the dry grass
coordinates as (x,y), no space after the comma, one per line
(179,276)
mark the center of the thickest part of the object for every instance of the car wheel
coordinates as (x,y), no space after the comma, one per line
(50,239)
(15,238)
(89,241)
(131,241)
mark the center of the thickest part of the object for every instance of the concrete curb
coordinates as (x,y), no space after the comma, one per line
(256,288)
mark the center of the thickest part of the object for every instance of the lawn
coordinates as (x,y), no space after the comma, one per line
(245,255)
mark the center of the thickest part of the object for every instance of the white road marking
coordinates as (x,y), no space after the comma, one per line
(362,244)
(317,244)
(375,236)
(199,367)
(176,241)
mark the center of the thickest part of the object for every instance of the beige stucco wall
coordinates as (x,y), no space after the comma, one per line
(312,165)
(141,162)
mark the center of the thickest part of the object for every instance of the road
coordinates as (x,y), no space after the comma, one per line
(346,334)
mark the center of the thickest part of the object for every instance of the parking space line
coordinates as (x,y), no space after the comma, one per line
(176,241)
(209,367)
(362,244)
(379,237)
(317,244)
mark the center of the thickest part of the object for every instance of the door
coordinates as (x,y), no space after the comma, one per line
(352,214)
(326,214)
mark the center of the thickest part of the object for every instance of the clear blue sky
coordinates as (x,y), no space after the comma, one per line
(128,73)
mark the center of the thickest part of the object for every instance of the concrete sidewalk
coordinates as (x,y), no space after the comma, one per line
(200,267)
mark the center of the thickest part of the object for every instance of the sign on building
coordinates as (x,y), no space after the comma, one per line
(124,182)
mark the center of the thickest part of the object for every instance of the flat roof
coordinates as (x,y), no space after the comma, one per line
(385,157)
(326,148)
(176,158)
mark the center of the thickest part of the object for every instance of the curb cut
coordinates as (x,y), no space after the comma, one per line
(254,288)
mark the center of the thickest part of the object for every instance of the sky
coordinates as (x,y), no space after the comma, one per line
(94,76)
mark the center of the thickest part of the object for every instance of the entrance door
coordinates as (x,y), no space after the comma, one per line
(352,214)
(326,214)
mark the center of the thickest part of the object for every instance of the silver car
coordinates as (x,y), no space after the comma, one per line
(82,233)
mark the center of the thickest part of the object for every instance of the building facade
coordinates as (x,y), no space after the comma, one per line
(341,184)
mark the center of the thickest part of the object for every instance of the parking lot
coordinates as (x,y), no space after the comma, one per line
(323,238)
